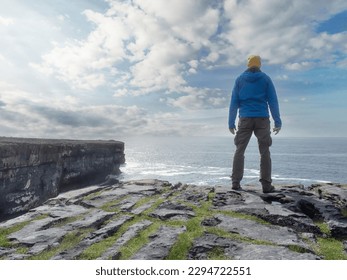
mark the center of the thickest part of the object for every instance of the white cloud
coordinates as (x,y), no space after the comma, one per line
(153,39)
(299,65)
(199,98)
(29,114)
(282,77)
(6,21)
(281,31)
(162,68)
(159,44)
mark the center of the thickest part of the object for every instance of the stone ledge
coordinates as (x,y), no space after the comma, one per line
(130,220)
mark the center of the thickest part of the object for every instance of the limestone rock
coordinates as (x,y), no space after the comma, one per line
(251,229)
(133,231)
(160,244)
(219,222)
(236,250)
(169,210)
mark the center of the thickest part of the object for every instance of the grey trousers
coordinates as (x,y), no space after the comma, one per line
(261,129)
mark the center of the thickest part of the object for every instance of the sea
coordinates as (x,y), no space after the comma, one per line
(208,160)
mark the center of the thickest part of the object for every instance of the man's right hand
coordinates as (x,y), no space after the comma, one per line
(232,130)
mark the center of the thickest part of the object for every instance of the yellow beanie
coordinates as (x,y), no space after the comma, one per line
(254,61)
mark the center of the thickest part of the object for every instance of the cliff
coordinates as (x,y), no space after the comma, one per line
(151,219)
(34,170)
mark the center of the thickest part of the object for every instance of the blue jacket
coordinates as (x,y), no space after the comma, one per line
(253,94)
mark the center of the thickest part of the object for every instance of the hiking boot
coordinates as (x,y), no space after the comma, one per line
(236,187)
(269,189)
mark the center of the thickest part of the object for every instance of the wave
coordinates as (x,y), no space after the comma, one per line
(200,175)
(287,179)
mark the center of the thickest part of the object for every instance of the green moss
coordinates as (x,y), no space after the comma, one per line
(135,244)
(153,207)
(145,200)
(22,250)
(70,240)
(327,247)
(298,249)
(211,195)
(344,212)
(150,199)
(185,240)
(5,232)
(113,206)
(324,227)
(93,195)
(96,250)
(194,228)
(237,237)
(217,253)
(331,249)
(242,216)
(66,221)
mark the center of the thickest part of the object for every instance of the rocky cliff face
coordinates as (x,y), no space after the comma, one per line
(34,170)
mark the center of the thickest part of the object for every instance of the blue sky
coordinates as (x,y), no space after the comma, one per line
(113,69)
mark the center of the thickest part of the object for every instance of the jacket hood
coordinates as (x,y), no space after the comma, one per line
(252,76)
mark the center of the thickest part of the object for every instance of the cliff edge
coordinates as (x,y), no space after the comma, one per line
(34,170)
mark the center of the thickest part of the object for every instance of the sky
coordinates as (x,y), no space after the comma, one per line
(110,69)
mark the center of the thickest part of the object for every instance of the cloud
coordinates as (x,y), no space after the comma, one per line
(152,41)
(283,32)
(160,44)
(6,21)
(200,98)
(26,114)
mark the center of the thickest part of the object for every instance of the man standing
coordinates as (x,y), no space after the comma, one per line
(253,94)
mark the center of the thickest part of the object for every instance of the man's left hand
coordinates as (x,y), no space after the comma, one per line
(276,130)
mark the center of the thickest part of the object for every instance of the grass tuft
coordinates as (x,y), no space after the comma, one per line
(331,249)
(217,253)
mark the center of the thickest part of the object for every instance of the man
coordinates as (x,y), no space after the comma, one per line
(253,94)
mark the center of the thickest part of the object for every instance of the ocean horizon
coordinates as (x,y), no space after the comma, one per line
(208,160)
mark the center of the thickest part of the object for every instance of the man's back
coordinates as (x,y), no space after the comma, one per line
(253,94)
